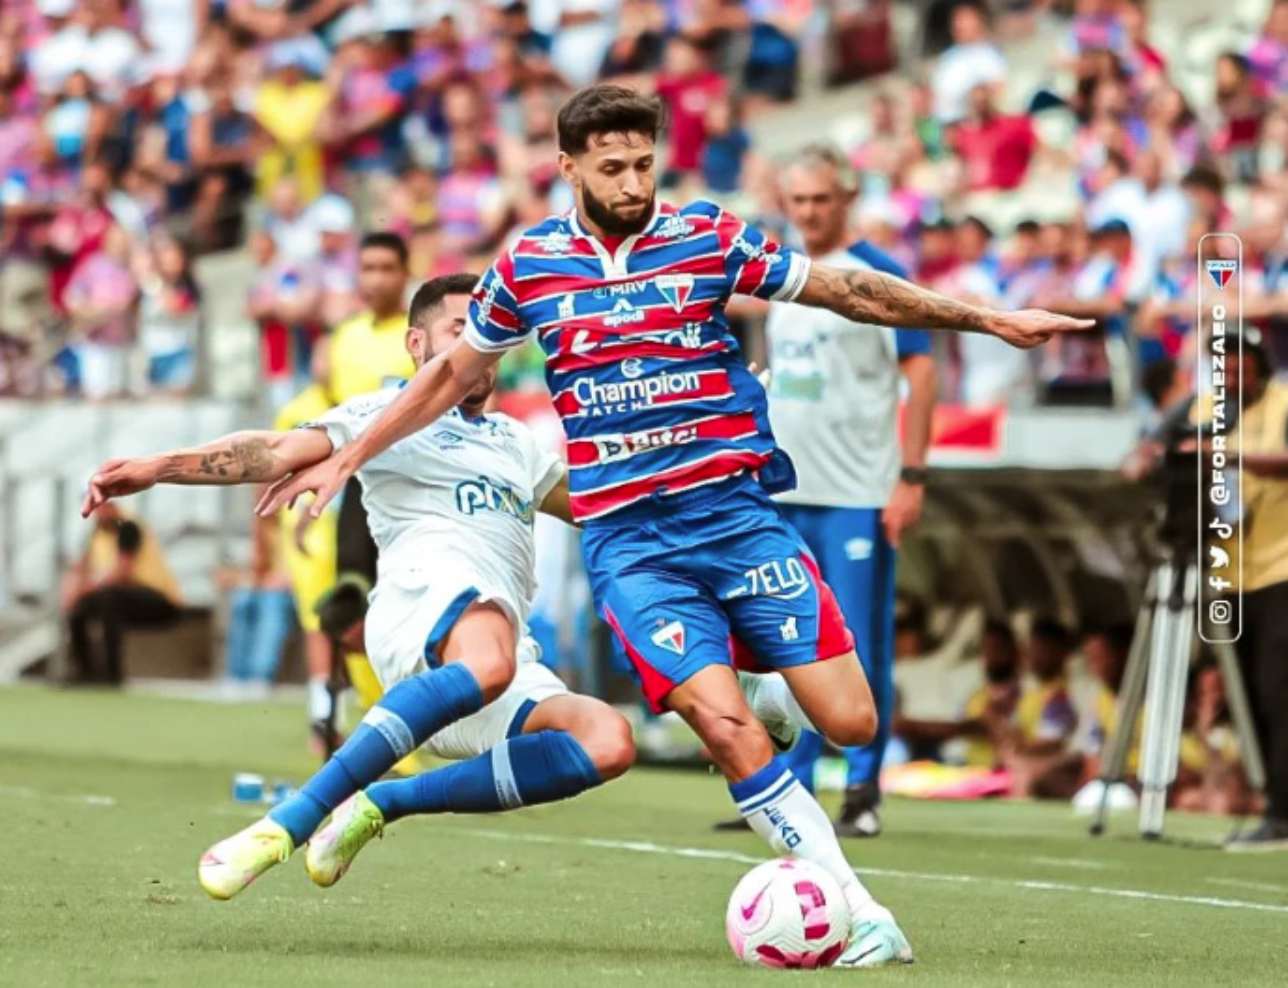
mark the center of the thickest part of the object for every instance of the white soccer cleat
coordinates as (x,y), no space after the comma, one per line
(875,940)
(332,849)
(236,861)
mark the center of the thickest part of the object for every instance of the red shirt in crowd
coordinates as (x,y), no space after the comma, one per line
(996,152)
(687,99)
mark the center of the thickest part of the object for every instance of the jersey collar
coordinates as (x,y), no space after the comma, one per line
(614,264)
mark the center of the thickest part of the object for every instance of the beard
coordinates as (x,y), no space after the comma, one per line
(602,215)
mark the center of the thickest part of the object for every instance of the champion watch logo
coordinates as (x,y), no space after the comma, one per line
(1221,271)
(676,289)
(670,637)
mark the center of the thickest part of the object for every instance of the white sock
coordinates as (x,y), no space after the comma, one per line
(784,813)
(319,700)
(771,699)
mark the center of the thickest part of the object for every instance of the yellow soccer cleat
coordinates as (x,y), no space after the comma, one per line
(332,849)
(236,861)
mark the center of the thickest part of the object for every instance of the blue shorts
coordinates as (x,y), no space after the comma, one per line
(709,576)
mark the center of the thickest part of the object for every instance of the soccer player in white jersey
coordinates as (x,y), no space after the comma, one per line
(672,459)
(451,510)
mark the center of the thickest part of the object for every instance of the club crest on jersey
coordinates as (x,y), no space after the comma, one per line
(676,289)
(1221,271)
(623,312)
(556,242)
(674,227)
(670,637)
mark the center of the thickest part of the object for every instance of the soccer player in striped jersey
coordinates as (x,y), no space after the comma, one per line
(672,460)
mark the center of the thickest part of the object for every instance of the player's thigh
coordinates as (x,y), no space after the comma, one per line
(836,696)
(602,732)
(666,628)
(509,715)
(412,624)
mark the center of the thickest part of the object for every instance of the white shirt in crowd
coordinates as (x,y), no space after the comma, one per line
(959,70)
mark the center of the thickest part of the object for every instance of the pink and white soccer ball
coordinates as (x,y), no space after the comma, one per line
(788,913)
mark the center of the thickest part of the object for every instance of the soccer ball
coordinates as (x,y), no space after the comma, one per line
(788,913)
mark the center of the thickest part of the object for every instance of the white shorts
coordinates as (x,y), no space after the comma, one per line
(401,620)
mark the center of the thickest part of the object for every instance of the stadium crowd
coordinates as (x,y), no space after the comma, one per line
(136,136)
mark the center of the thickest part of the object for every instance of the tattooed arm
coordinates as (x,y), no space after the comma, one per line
(873,297)
(238,458)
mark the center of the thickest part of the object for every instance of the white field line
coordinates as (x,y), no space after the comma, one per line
(1239,883)
(648,847)
(87,799)
(1087,864)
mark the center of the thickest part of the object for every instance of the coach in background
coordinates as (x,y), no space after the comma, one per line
(1263,645)
(833,404)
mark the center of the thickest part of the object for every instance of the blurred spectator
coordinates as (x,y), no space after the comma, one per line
(582,36)
(688,86)
(727,146)
(990,710)
(1242,109)
(120,582)
(1173,131)
(101,298)
(1268,56)
(223,148)
(89,38)
(971,60)
(1038,750)
(1205,189)
(994,149)
(289,106)
(639,43)
(283,302)
(337,262)
(169,315)
(292,226)
(261,615)
(990,370)
(773,57)
(1210,777)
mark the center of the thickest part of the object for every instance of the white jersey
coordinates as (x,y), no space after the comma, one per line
(461,489)
(834,395)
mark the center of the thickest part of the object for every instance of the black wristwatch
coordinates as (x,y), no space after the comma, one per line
(913,475)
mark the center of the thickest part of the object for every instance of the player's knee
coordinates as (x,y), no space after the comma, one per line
(610,746)
(854,725)
(494,670)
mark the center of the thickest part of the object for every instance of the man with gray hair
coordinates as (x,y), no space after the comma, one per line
(833,404)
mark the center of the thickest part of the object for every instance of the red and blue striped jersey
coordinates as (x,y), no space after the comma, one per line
(641,365)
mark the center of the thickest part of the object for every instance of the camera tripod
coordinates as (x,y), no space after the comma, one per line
(1164,645)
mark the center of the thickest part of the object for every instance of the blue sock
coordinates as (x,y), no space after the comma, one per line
(403,720)
(520,771)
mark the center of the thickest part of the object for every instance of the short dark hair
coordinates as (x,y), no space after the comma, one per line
(607,109)
(129,538)
(385,240)
(1031,227)
(430,295)
(1053,630)
(1205,177)
(1157,378)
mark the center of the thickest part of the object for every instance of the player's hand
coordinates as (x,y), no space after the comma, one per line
(324,479)
(763,376)
(902,511)
(117,478)
(1031,327)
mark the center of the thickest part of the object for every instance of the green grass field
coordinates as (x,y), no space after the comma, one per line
(110,799)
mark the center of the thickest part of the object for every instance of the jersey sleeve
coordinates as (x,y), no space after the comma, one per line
(756,265)
(492,322)
(547,470)
(346,421)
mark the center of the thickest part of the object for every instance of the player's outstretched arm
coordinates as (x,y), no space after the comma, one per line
(873,297)
(237,458)
(439,385)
